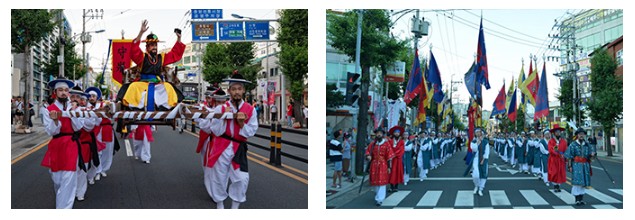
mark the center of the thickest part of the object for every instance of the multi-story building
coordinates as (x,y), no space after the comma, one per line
(583,33)
(41,52)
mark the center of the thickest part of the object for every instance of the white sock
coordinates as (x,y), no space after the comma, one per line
(235,204)
(220,205)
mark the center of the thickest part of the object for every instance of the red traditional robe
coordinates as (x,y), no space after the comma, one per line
(396,172)
(174,55)
(557,167)
(379,162)
(220,144)
(62,151)
(143,130)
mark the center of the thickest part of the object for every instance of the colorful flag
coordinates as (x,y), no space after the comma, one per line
(424,100)
(499,102)
(481,59)
(530,87)
(471,114)
(434,76)
(473,87)
(414,80)
(511,110)
(511,90)
(120,59)
(542,97)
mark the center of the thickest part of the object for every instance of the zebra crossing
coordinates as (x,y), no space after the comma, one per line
(493,199)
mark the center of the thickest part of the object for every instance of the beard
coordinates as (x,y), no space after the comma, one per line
(62,100)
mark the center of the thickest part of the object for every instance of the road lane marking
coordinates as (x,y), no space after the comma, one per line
(563,207)
(602,197)
(564,196)
(523,207)
(128,148)
(30,152)
(604,206)
(395,198)
(499,198)
(618,191)
(283,172)
(286,167)
(431,198)
(464,198)
(533,197)
(470,178)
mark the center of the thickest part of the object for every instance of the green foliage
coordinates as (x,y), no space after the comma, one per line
(72,62)
(458,124)
(334,98)
(294,53)
(565,97)
(377,48)
(520,120)
(607,103)
(221,59)
(29,26)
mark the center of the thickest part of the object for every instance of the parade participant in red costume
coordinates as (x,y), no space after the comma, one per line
(88,143)
(397,143)
(379,152)
(62,155)
(557,166)
(103,133)
(213,97)
(151,90)
(229,151)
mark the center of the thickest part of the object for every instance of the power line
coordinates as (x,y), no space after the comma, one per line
(494,23)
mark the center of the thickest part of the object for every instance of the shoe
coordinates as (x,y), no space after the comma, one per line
(338,186)
(136,158)
(475,190)
(103,174)
(80,199)
(480,193)
(147,161)
(547,184)
(91,182)
(378,203)
(98,177)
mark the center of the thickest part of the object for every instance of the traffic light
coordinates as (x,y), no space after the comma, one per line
(351,87)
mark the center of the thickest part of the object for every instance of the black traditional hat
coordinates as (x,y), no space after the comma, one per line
(236,78)
(152,38)
(580,130)
(78,91)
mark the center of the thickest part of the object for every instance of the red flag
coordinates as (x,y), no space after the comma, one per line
(120,59)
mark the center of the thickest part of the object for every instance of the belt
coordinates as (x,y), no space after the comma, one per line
(580,159)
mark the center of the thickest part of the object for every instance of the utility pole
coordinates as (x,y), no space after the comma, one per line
(567,38)
(86,37)
(361,141)
(60,58)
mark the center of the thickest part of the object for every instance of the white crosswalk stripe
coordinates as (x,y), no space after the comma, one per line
(604,206)
(601,196)
(618,191)
(431,198)
(533,198)
(565,196)
(499,198)
(464,198)
(395,198)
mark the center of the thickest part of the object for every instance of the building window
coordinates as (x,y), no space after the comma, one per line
(187,60)
(618,57)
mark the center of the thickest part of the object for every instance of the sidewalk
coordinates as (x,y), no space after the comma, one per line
(617,157)
(23,143)
(334,194)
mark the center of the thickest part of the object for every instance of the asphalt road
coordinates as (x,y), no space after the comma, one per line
(173,180)
(505,189)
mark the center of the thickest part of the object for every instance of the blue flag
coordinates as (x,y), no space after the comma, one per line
(414,80)
(499,103)
(435,79)
(481,59)
(542,98)
(472,86)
